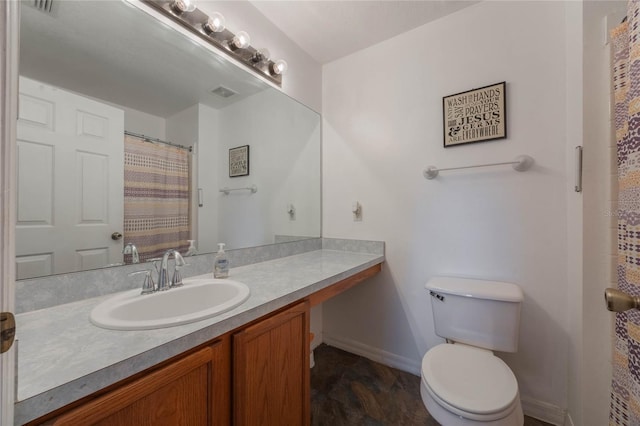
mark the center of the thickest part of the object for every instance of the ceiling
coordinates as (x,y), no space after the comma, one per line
(328,30)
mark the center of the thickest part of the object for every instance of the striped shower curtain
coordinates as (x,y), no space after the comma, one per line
(156,197)
(625,388)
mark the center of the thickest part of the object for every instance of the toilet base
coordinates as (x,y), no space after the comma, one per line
(445,417)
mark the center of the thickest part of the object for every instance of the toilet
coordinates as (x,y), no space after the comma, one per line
(463,382)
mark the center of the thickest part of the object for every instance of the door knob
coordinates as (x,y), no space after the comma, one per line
(619,301)
(116,236)
(7,331)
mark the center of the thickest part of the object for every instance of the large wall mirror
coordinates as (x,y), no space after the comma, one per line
(94,77)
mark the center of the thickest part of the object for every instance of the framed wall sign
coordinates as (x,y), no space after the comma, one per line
(476,115)
(239,161)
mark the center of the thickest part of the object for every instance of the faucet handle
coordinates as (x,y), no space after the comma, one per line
(154,262)
(148,286)
(176,281)
(131,249)
(179,259)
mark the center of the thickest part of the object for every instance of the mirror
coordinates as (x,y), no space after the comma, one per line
(91,71)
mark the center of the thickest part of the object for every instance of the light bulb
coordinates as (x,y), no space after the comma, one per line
(182,6)
(240,40)
(279,67)
(215,23)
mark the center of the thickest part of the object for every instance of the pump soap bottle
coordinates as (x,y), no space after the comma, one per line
(221,263)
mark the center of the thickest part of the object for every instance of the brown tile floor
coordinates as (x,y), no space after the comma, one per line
(348,389)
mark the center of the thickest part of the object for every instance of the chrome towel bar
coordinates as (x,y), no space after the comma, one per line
(521,163)
(251,188)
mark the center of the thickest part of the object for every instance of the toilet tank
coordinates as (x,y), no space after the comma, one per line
(481,313)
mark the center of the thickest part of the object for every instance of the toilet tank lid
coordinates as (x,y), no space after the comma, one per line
(482,289)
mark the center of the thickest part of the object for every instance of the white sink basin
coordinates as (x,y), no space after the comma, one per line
(197,299)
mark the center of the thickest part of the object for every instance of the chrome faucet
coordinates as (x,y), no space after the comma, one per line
(149,286)
(164,283)
(131,249)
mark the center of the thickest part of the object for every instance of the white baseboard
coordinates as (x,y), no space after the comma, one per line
(544,411)
(317,340)
(532,407)
(374,354)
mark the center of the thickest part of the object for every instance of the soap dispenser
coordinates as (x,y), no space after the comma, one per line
(221,263)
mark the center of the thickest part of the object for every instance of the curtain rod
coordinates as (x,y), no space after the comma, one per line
(150,139)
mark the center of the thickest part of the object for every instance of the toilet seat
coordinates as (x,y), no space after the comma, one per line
(469,381)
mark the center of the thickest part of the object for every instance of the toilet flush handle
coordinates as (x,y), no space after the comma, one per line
(436,295)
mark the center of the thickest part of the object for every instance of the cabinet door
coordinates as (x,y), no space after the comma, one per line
(193,390)
(271,370)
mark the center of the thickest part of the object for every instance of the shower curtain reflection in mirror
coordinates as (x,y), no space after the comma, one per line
(157,181)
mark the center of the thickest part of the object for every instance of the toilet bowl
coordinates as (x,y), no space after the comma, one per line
(463,385)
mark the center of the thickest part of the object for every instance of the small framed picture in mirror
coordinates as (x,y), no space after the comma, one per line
(239,161)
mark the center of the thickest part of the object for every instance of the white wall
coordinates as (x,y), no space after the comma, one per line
(182,127)
(284,145)
(303,81)
(142,123)
(382,125)
(284,137)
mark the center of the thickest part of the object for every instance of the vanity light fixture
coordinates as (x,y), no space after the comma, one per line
(215,23)
(182,6)
(211,28)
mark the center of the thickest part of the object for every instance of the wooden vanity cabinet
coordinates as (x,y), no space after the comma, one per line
(193,390)
(271,378)
(270,366)
(256,375)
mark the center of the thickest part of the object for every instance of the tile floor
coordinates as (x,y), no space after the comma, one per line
(347,389)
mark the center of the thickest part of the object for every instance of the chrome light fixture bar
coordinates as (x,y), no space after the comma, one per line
(212,29)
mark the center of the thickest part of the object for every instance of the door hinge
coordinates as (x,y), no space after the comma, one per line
(7,331)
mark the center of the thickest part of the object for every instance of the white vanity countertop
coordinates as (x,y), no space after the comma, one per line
(62,357)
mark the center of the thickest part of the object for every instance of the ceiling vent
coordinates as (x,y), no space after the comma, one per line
(43,5)
(223,91)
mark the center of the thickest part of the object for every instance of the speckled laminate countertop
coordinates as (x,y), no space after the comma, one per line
(62,357)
